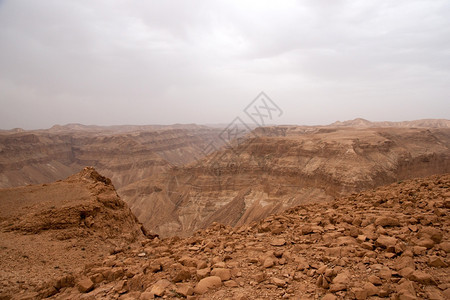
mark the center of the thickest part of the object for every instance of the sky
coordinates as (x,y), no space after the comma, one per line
(165,62)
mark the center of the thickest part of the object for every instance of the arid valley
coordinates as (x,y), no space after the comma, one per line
(350,210)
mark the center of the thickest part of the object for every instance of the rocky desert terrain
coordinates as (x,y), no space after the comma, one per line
(352,210)
(390,242)
(276,168)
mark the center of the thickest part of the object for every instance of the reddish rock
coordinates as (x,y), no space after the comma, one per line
(207,283)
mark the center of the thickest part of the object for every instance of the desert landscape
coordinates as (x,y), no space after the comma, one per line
(225,150)
(351,210)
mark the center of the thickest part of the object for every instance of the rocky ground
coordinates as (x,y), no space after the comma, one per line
(392,242)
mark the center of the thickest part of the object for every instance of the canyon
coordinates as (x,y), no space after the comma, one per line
(175,188)
(281,167)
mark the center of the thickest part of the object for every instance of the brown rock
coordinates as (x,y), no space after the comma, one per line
(370,289)
(360,293)
(278,282)
(188,261)
(159,287)
(268,262)
(185,290)
(433,233)
(181,275)
(224,274)
(406,289)
(425,242)
(203,273)
(406,272)
(403,262)
(278,242)
(437,262)
(387,221)
(329,297)
(387,242)
(85,285)
(374,280)
(445,246)
(207,283)
(422,277)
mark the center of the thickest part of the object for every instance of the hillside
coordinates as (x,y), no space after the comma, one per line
(49,232)
(391,242)
(281,167)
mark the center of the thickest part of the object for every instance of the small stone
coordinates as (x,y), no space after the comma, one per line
(85,285)
(437,262)
(159,287)
(370,289)
(387,242)
(278,282)
(259,277)
(329,297)
(422,277)
(268,262)
(360,293)
(185,290)
(230,283)
(203,273)
(374,280)
(224,274)
(142,254)
(387,221)
(278,242)
(406,272)
(207,283)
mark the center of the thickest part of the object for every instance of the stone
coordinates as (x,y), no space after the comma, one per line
(406,272)
(387,242)
(207,283)
(360,293)
(374,280)
(426,243)
(422,277)
(433,233)
(278,282)
(203,273)
(406,288)
(159,288)
(445,246)
(437,262)
(329,297)
(224,274)
(278,242)
(387,221)
(370,289)
(181,275)
(85,285)
(185,290)
(268,262)
(259,277)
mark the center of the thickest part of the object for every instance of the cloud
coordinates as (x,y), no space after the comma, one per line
(146,62)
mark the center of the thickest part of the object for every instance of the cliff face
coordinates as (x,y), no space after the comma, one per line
(282,167)
(49,232)
(44,156)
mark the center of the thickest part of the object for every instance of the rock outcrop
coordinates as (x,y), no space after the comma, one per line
(49,232)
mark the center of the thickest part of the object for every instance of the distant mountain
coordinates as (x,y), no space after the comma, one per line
(423,123)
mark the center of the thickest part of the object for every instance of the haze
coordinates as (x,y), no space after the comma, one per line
(164,62)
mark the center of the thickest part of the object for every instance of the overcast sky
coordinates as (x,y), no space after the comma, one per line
(163,62)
